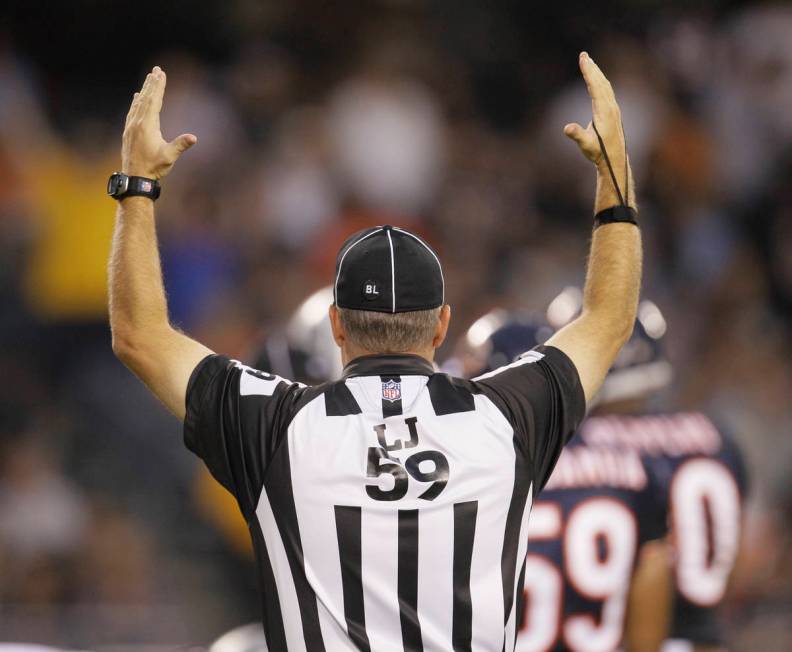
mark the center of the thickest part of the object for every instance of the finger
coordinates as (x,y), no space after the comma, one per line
(179,145)
(591,71)
(145,92)
(141,99)
(575,132)
(147,97)
(158,89)
(145,88)
(604,87)
(584,139)
(132,108)
(586,71)
(599,82)
(138,103)
(599,87)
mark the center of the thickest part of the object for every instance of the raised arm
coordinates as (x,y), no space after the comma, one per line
(613,278)
(143,339)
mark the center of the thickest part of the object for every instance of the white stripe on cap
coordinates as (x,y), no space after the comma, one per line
(348,249)
(429,249)
(393,272)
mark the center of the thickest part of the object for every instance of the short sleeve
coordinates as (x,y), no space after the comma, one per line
(541,396)
(233,420)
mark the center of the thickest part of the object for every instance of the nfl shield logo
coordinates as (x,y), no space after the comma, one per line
(391,391)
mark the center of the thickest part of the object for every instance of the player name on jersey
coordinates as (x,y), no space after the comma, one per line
(686,433)
(588,467)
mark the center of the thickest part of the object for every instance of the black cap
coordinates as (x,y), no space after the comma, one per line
(388,269)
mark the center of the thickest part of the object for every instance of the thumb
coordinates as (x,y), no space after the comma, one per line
(575,132)
(181,144)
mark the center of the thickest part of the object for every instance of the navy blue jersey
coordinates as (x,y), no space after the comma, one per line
(702,481)
(587,526)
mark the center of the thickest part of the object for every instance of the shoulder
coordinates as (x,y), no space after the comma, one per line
(249,381)
(539,358)
(541,380)
(542,374)
(244,393)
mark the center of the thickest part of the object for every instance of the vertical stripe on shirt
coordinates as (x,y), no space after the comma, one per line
(279,562)
(522,550)
(407,582)
(464,532)
(348,528)
(273,615)
(513,533)
(279,483)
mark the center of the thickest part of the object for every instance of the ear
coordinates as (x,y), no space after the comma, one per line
(442,326)
(335,325)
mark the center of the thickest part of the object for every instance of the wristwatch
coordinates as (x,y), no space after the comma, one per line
(120,186)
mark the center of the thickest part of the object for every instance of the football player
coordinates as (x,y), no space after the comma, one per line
(598,575)
(304,350)
(596,521)
(700,477)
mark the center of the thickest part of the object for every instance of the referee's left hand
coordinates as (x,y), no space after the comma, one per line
(605,113)
(144,152)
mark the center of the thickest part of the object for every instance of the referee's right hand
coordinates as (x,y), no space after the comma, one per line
(606,115)
(144,152)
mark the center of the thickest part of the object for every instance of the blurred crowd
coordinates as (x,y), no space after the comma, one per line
(439,118)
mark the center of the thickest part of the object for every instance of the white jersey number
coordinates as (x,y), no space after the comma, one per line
(705,508)
(599,544)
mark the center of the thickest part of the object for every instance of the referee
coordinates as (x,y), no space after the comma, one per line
(388,508)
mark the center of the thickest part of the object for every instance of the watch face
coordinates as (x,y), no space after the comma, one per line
(117,184)
(112,184)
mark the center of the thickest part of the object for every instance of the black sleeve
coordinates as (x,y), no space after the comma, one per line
(542,398)
(234,423)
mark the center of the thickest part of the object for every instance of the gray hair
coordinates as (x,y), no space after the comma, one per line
(384,332)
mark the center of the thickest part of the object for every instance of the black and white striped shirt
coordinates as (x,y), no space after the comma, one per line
(388,510)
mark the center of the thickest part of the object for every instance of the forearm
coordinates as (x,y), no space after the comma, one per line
(610,297)
(613,279)
(143,339)
(137,295)
(613,276)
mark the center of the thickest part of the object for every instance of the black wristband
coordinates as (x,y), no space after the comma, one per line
(616,214)
(120,186)
(143,187)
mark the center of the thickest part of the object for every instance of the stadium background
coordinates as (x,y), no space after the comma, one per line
(316,119)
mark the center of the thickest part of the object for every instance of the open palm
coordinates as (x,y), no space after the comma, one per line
(144,152)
